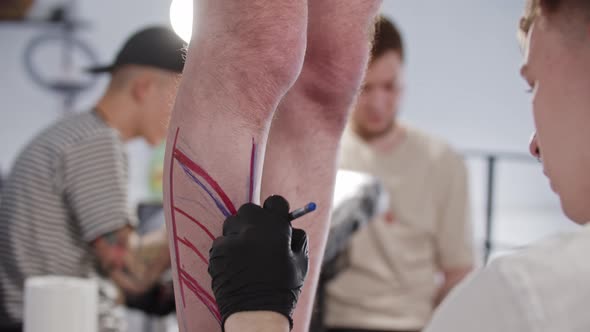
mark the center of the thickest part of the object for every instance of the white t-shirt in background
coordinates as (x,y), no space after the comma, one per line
(544,288)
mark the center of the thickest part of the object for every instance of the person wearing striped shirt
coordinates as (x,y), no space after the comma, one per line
(64,207)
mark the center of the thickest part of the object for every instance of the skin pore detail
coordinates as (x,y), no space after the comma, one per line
(182,164)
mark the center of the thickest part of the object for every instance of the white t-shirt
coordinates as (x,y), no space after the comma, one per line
(390,282)
(545,288)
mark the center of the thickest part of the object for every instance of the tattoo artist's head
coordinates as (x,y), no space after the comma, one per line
(555,37)
(379,100)
(144,97)
(144,80)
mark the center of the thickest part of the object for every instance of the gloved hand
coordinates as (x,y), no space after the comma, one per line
(260,262)
(158,301)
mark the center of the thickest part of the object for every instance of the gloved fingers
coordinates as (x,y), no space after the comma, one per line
(216,265)
(231,226)
(299,241)
(224,247)
(218,248)
(277,204)
(278,208)
(246,215)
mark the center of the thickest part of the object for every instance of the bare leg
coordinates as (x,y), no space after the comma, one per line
(243,58)
(303,143)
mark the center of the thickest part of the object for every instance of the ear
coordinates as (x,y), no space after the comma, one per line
(141,87)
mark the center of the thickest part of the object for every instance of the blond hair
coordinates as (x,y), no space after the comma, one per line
(531,11)
(568,12)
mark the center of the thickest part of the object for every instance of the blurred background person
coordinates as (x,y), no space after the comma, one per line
(404,263)
(64,207)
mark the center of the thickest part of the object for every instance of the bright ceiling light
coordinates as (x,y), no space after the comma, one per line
(181,18)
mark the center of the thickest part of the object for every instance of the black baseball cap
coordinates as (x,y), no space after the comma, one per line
(155,46)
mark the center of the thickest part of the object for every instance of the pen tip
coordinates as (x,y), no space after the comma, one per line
(311,206)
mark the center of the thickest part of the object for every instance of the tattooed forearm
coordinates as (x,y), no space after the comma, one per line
(134,263)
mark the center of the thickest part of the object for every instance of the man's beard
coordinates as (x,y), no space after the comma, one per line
(370,135)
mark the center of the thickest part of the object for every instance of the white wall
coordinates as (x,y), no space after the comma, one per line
(462,85)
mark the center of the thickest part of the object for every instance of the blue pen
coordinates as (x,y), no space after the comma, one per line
(310,207)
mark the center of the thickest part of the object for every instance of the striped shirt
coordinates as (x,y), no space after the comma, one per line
(67,188)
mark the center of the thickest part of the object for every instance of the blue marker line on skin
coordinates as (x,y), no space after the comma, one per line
(219,204)
(310,207)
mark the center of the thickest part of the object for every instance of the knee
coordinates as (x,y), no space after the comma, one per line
(338,52)
(331,80)
(334,79)
(272,62)
(260,53)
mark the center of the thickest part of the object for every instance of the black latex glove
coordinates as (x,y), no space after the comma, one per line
(158,301)
(260,262)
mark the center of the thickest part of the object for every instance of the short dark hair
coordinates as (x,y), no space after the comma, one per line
(387,38)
